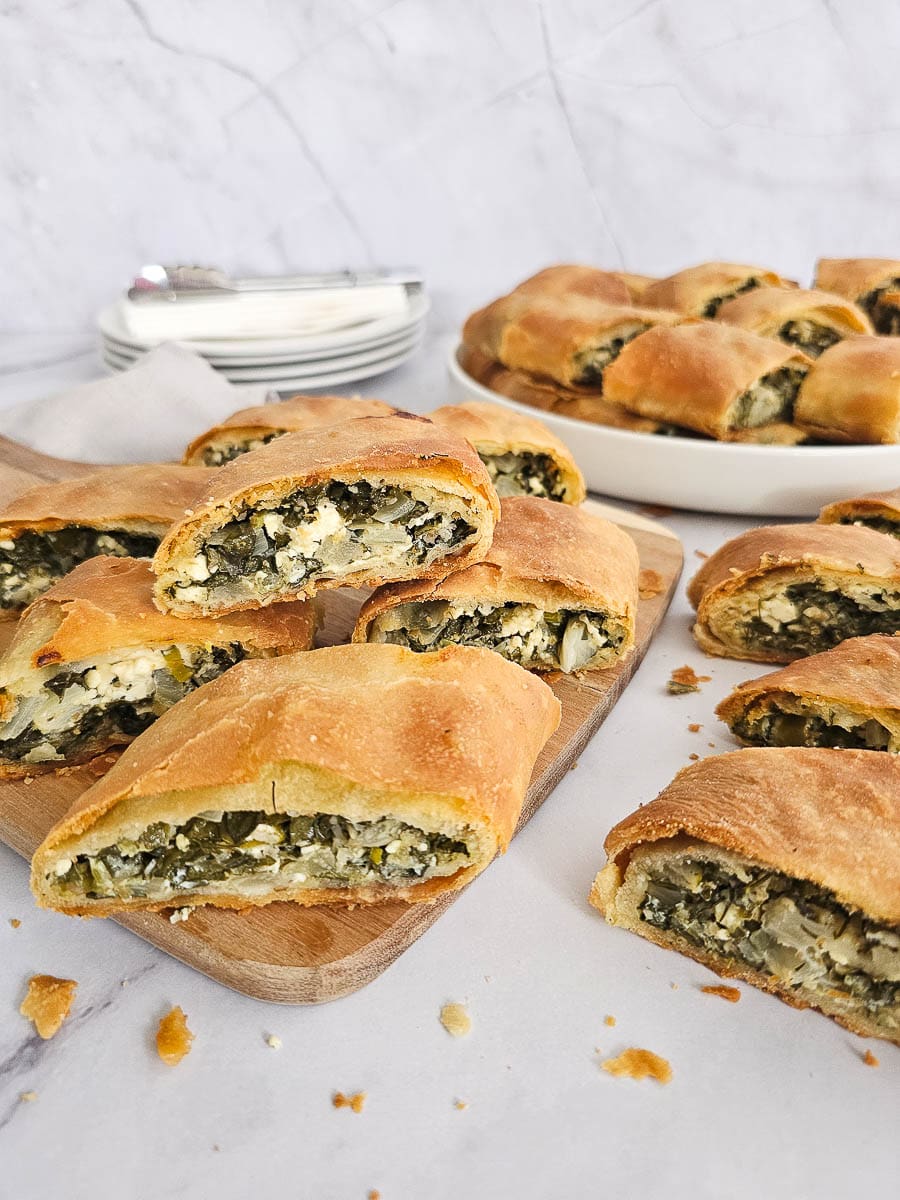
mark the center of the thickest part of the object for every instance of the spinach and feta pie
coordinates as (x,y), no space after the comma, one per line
(251,428)
(558,591)
(847,698)
(782,592)
(93,662)
(701,291)
(872,283)
(810,321)
(120,511)
(352,774)
(777,867)
(712,378)
(360,503)
(522,456)
(875,510)
(852,393)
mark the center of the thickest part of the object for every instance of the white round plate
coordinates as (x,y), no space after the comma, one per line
(292,349)
(720,477)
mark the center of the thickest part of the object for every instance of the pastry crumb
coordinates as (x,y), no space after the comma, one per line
(173,1038)
(179,914)
(693,757)
(701,554)
(870,1060)
(731,994)
(609,1020)
(47,1003)
(650,583)
(634,1063)
(574,765)
(373,1194)
(274,1041)
(15,922)
(695,728)
(674,987)
(27,1097)
(460,1105)
(354,1102)
(28,780)
(456,1020)
(712,745)
(685,679)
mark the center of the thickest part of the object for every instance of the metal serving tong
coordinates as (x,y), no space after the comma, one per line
(155,282)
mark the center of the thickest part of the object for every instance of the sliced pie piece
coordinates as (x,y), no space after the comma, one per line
(781,592)
(852,393)
(361,503)
(776,867)
(866,281)
(700,291)
(254,427)
(848,697)
(712,378)
(93,662)
(875,510)
(352,774)
(522,456)
(121,511)
(556,592)
(809,321)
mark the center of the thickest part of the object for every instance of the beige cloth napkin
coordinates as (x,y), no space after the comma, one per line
(148,413)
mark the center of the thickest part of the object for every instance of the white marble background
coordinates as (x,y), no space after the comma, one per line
(478,139)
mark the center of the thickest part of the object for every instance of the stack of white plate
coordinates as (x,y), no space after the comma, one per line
(288,363)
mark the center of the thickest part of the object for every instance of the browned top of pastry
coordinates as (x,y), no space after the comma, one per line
(828,816)
(855,277)
(764,310)
(852,393)
(835,547)
(569,279)
(872,504)
(691,290)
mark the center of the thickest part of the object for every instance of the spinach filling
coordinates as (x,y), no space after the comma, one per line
(591,363)
(525,475)
(713,306)
(787,928)
(885,317)
(808,617)
(567,640)
(771,398)
(879,524)
(77,713)
(324,531)
(33,561)
(219,851)
(809,336)
(776,727)
(217,456)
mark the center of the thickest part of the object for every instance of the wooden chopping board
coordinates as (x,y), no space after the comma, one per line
(293,955)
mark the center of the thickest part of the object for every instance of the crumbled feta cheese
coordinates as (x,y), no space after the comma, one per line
(63,867)
(179,914)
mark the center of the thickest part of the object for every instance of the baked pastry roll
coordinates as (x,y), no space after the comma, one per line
(93,662)
(848,698)
(852,394)
(711,378)
(558,591)
(351,774)
(876,510)
(866,281)
(570,279)
(809,321)
(636,284)
(571,339)
(121,511)
(254,427)
(775,867)
(781,592)
(356,504)
(700,291)
(522,456)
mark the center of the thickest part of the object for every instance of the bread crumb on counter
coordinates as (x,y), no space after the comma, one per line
(635,1063)
(685,679)
(460,1105)
(731,994)
(47,1003)
(650,584)
(609,1020)
(273,1041)
(373,1194)
(701,554)
(870,1060)
(654,510)
(15,922)
(27,1097)
(354,1102)
(694,728)
(456,1020)
(694,757)
(173,1038)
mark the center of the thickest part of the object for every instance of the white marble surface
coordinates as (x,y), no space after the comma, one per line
(765,1101)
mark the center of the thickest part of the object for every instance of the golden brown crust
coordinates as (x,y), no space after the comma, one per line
(448,737)
(495,430)
(691,290)
(692,374)
(855,277)
(872,504)
(852,392)
(765,310)
(636,284)
(401,449)
(147,497)
(570,279)
(287,416)
(47,1003)
(544,554)
(861,674)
